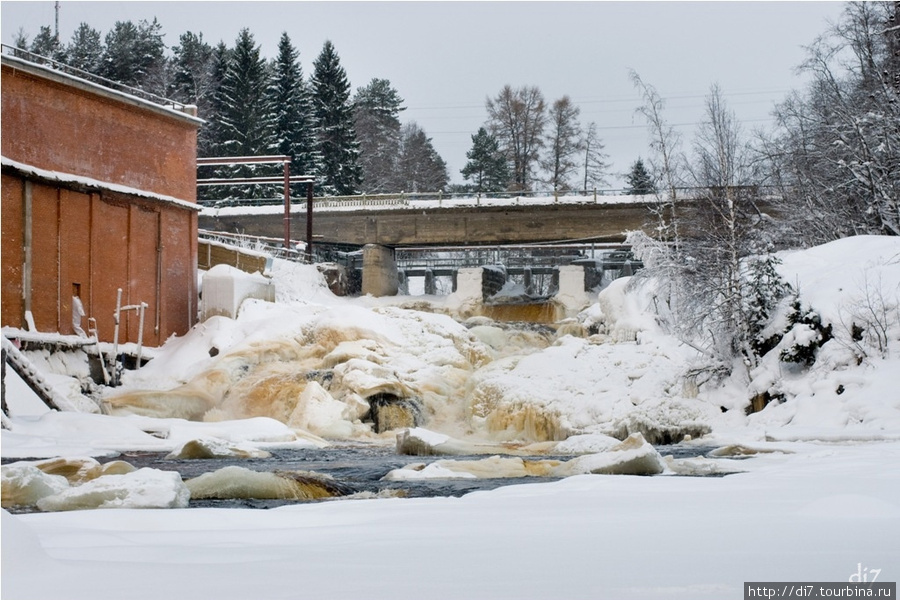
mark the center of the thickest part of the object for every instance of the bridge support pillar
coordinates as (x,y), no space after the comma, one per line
(430,287)
(379,273)
(528,281)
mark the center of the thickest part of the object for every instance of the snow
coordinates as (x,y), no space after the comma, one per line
(813,492)
(589,536)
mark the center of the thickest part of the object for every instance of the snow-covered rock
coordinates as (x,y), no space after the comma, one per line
(144,488)
(215,448)
(239,483)
(23,484)
(634,456)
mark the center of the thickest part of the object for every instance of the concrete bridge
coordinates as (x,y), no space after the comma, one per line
(389,233)
(527,221)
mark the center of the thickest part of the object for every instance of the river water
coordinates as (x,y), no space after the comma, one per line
(355,468)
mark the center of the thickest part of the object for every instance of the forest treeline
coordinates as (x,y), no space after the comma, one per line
(350,141)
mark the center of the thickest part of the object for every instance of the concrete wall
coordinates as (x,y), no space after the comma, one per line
(210,254)
(97,189)
(380,276)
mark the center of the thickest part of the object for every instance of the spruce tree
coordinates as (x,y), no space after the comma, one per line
(247,117)
(376,116)
(295,130)
(212,136)
(487,167)
(340,174)
(420,167)
(215,135)
(638,181)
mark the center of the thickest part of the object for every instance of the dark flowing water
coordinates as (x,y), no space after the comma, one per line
(356,468)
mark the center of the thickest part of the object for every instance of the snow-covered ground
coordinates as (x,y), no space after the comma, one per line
(813,497)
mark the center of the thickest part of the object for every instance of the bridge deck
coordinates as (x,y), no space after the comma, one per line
(473,225)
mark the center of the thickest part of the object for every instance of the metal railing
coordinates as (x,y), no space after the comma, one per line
(513,257)
(97,79)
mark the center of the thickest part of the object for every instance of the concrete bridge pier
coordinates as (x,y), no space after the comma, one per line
(528,281)
(379,273)
(430,287)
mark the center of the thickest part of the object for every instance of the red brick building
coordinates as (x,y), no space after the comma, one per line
(98,193)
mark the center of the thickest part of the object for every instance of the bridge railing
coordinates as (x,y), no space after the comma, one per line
(512,257)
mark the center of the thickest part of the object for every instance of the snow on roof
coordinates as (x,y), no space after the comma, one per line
(92,183)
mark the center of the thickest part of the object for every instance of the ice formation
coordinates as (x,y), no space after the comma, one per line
(239,483)
(144,488)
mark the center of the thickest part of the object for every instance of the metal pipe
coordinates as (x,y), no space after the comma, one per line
(258,180)
(309,220)
(92,329)
(140,343)
(287,205)
(243,160)
(116,332)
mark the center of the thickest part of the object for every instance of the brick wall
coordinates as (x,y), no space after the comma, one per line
(59,124)
(57,231)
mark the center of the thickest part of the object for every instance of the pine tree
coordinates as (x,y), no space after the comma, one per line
(376,117)
(194,82)
(487,168)
(341,173)
(46,44)
(247,117)
(420,167)
(85,50)
(21,39)
(639,182)
(191,69)
(295,129)
(134,55)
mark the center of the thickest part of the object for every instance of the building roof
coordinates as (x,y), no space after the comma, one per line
(90,184)
(70,76)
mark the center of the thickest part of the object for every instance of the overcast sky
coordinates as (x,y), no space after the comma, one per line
(446,58)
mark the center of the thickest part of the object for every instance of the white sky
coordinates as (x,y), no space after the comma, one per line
(446,58)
